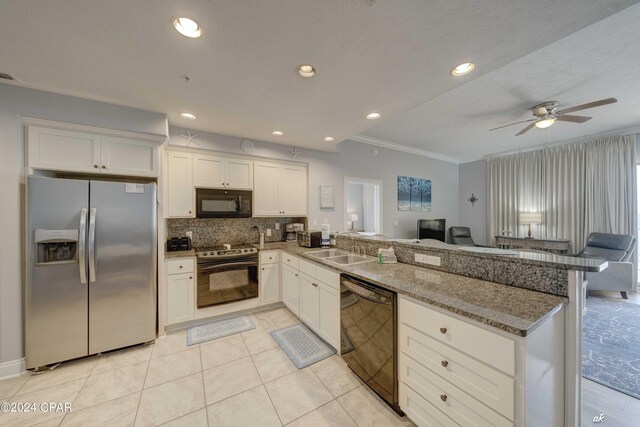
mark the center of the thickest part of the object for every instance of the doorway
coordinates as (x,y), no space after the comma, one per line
(363,205)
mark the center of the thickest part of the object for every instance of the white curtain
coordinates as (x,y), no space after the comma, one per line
(369,208)
(580,188)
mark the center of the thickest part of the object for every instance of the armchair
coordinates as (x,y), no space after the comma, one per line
(461,236)
(618,250)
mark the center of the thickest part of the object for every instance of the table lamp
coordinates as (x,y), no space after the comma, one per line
(352,217)
(528,218)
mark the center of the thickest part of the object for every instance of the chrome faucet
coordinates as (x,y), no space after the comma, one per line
(350,234)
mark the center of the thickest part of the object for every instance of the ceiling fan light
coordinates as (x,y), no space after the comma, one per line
(543,124)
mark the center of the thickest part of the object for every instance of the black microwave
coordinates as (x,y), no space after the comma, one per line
(212,203)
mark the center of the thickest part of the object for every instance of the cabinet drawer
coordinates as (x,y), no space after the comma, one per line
(176,266)
(269,257)
(420,410)
(455,403)
(492,349)
(290,260)
(328,277)
(491,387)
(307,268)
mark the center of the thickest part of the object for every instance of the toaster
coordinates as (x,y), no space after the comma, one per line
(310,238)
(175,244)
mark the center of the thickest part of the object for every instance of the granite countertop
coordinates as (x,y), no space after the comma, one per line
(179,254)
(544,259)
(511,309)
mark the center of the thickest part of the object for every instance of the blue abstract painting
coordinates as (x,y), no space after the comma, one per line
(414,194)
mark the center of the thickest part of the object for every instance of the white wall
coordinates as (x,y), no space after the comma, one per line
(356,159)
(473,179)
(14,103)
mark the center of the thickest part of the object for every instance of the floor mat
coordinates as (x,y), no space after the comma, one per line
(218,329)
(301,345)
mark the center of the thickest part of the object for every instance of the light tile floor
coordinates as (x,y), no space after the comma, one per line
(241,380)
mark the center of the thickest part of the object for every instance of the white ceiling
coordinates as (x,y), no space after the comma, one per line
(389,57)
(598,62)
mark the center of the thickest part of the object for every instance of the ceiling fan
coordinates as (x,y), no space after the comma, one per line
(547,113)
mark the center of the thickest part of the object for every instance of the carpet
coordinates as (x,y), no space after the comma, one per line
(218,329)
(301,345)
(611,344)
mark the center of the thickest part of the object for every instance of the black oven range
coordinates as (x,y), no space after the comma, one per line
(227,274)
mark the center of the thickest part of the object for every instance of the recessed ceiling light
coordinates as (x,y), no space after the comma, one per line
(187,27)
(543,124)
(463,69)
(277,133)
(306,71)
(188,116)
(329,139)
(373,116)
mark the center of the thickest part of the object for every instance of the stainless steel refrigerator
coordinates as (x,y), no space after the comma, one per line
(91,267)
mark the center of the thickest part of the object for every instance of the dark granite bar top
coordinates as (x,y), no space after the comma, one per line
(543,259)
(511,309)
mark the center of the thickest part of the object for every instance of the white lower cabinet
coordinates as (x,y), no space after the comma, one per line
(269,283)
(454,371)
(312,293)
(180,291)
(291,289)
(309,301)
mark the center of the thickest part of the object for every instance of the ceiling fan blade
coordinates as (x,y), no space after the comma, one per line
(573,119)
(527,129)
(516,123)
(588,105)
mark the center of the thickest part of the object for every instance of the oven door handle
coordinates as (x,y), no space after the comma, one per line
(203,267)
(365,293)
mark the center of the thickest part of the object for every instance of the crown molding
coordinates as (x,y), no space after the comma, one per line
(405,149)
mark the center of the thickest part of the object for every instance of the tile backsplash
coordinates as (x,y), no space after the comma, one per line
(219,231)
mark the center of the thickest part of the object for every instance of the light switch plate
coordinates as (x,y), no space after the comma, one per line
(396,222)
(433,260)
(268,232)
(277,226)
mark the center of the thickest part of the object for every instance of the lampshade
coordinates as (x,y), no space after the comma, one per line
(530,217)
(352,217)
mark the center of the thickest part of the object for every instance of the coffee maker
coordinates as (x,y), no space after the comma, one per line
(291,231)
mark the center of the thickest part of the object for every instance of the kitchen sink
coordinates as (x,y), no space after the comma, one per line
(326,253)
(349,259)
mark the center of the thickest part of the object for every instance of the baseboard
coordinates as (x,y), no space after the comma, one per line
(12,368)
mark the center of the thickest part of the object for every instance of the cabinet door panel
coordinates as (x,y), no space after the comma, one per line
(239,174)
(208,171)
(329,315)
(180,186)
(293,190)
(56,149)
(266,189)
(180,298)
(269,284)
(128,157)
(291,289)
(309,301)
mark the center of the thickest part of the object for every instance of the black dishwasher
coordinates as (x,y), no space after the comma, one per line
(369,324)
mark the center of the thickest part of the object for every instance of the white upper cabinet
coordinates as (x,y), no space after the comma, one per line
(180,190)
(280,190)
(128,157)
(222,172)
(76,150)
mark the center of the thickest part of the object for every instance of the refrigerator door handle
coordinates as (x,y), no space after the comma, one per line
(82,240)
(92,245)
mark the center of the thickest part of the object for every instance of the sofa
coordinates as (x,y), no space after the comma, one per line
(618,250)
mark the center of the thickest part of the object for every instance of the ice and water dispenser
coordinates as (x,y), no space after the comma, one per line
(56,246)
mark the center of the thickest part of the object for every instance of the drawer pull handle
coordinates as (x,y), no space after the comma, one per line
(443,330)
(444,363)
(443,397)
(95,166)
(190,277)
(296,275)
(180,266)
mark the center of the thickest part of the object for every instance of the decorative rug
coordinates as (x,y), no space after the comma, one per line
(301,345)
(611,344)
(218,329)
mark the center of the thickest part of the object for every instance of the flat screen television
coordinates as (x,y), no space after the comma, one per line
(432,229)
